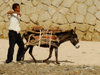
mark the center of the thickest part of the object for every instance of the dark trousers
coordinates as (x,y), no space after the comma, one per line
(15,38)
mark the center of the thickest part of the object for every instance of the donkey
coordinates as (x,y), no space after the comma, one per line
(63,36)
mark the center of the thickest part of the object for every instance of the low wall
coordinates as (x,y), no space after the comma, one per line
(66,14)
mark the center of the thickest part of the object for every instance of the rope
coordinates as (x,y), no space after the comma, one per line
(46,37)
(40,39)
(50,40)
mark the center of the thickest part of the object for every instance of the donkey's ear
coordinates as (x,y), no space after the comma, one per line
(72,31)
(75,29)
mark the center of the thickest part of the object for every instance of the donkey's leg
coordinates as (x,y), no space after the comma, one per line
(25,49)
(30,52)
(56,55)
(50,54)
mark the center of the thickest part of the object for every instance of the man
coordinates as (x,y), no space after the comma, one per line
(14,33)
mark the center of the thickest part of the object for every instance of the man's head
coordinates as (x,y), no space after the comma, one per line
(16,7)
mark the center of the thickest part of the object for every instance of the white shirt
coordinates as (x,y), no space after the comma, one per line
(14,22)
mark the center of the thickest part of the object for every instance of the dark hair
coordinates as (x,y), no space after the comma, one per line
(15,6)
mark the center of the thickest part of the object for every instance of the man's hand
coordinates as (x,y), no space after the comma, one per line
(18,13)
(10,12)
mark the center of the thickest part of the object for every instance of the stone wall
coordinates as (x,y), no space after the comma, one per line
(67,14)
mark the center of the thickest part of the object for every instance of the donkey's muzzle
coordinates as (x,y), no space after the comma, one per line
(77,46)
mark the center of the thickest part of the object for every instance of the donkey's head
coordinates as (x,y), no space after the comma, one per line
(74,39)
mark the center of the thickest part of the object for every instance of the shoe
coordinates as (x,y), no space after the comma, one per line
(20,62)
(7,61)
(18,59)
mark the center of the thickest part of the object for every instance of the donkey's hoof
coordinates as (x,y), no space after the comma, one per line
(35,61)
(22,59)
(57,62)
(45,60)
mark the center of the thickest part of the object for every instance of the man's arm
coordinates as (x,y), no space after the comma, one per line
(10,12)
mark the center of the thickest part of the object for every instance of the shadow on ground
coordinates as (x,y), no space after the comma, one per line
(48,62)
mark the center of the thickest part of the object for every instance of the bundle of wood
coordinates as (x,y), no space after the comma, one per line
(53,37)
(44,39)
(37,29)
(54,29)
(40,36)
(42,42)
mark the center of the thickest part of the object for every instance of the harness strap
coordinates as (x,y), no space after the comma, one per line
(40,39)
(50,40)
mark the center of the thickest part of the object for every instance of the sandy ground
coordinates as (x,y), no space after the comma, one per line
(82,61)
(87,54)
